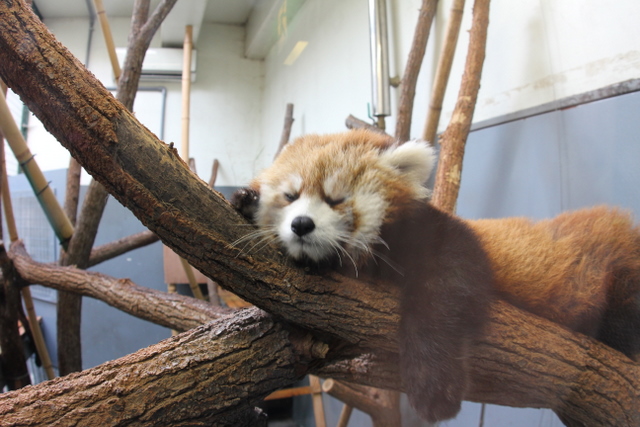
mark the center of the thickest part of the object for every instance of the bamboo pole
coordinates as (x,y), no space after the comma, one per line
(52,209)
(186,101)
(316,396)
(454,138)
(345,415)
(108,38)
(186,90)
(36,331)
(191,277)
(443,71)
(212,287)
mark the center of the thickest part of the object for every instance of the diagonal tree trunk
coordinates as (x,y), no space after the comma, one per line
(523,360)
(69,305)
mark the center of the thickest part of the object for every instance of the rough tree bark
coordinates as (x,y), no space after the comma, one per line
(204,369)
(69,306)
(171,310)
(523,361)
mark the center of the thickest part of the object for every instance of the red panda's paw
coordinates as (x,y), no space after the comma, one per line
(245,200)
(440,398)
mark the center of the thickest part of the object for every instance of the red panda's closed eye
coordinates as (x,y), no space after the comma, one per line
(291,197)
(334,202)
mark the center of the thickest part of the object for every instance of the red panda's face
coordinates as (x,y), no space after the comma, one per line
(327,196)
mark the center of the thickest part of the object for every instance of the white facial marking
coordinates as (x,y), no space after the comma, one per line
(318,244)
(334,187)
(371,208)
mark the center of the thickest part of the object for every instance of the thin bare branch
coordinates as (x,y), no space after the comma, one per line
(453,140)
(118,247)
(412,70)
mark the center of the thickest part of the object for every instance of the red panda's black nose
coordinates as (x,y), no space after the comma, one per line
(302,225)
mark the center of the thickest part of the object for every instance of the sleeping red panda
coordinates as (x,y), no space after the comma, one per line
(355,202)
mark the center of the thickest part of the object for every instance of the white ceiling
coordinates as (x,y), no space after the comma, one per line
(259,16)
(218,11)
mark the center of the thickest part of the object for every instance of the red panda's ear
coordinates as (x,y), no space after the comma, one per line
(414,159)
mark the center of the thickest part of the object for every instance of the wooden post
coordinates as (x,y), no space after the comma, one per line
(108,38)
(443,71)
(316,396)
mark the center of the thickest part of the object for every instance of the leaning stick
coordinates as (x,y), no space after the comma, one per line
(191,277)
(108,38)
(414,62)
(286,130)
(454,137)
(443,71)
(214,173)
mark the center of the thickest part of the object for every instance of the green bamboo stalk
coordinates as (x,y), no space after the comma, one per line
(52,209)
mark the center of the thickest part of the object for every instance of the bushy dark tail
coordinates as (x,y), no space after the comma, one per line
(444,311)
(439,324)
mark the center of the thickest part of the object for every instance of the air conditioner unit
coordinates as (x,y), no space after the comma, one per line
(161,64)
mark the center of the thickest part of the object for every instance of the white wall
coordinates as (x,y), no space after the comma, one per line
(225,99)
(538,51)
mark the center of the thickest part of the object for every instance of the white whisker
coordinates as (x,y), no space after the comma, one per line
(260,237)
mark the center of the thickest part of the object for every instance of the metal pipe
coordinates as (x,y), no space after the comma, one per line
(92,23)
(379,58)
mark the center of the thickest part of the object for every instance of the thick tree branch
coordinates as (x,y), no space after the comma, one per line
(523,361)
(69,305)
(198,224)
(202,371)
(174,311)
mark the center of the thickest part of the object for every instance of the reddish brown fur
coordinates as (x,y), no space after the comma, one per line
(568,269)
(580,269)
(316,156)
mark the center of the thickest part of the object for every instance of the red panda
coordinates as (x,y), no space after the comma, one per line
(356,202)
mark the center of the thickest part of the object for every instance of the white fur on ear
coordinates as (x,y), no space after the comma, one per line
(414,158)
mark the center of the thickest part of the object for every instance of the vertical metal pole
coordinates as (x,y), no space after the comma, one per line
(379,58)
